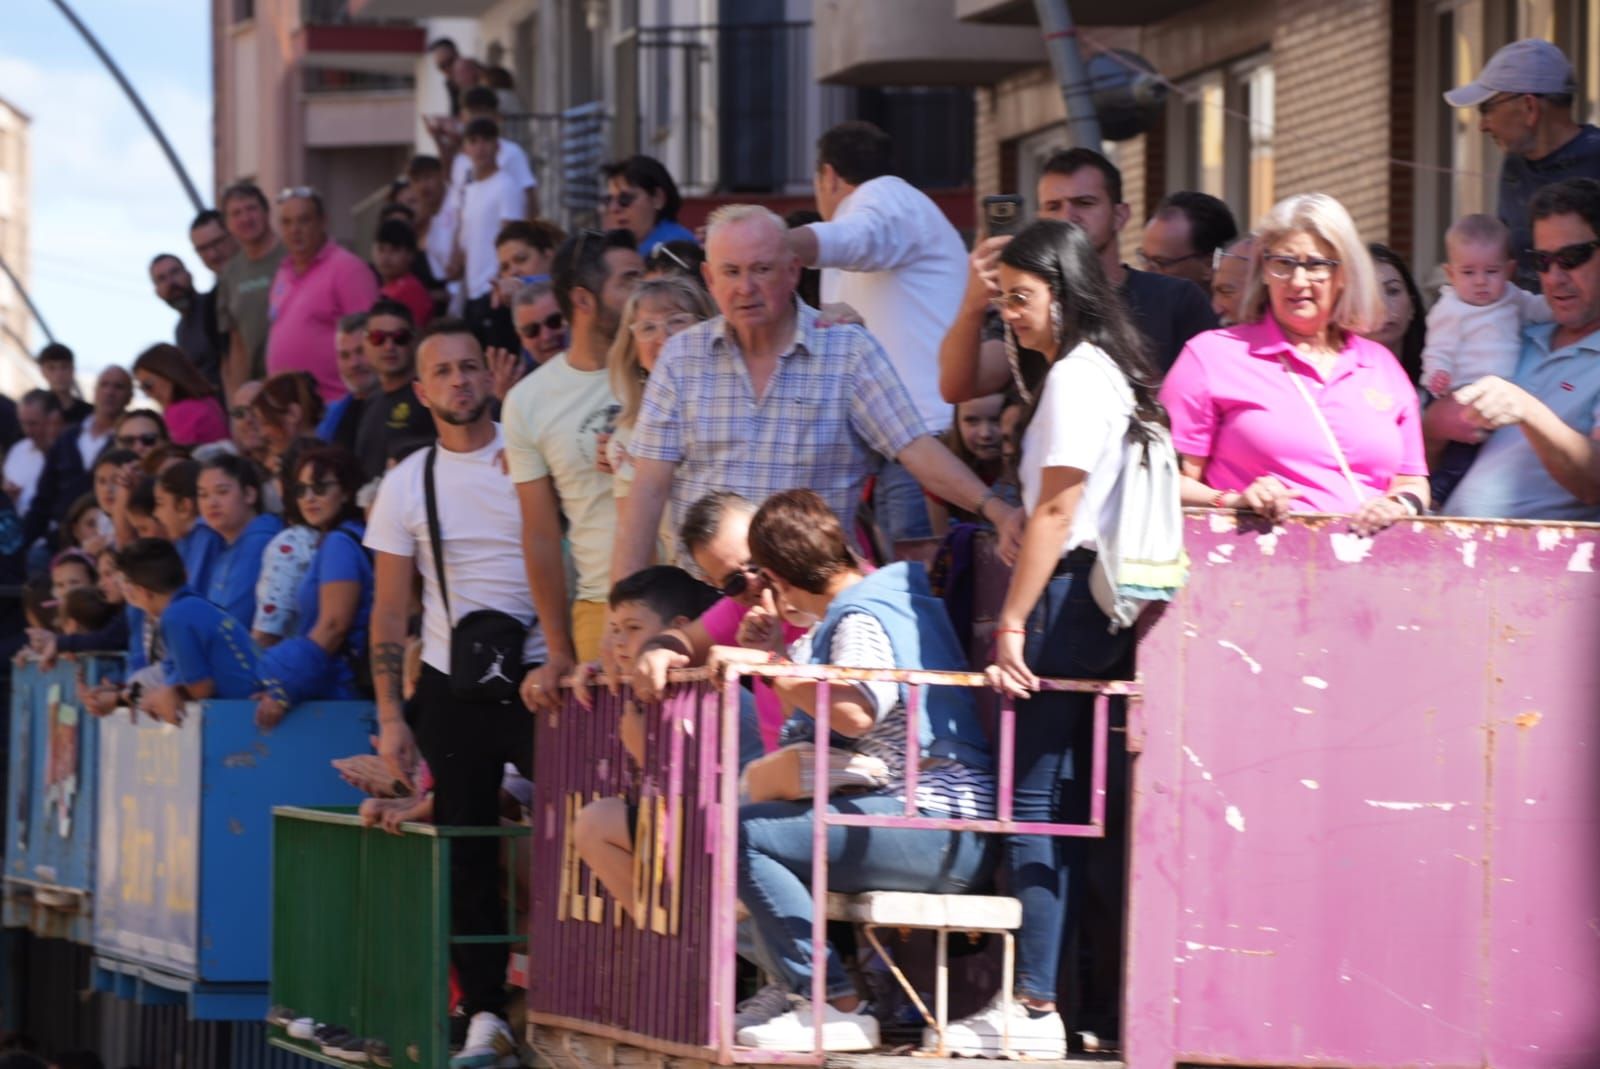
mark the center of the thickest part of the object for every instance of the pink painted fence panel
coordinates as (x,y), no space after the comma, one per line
(1365,817)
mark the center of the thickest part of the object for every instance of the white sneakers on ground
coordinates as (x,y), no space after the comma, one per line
(791,1029)
(761,1007)
(489,1045)
(1041,1037)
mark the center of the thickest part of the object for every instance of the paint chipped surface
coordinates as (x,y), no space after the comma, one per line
(1410,807)
(1268,543)
(1315,682)
(1310,784)
(1469,554)
(1255,665)
(1221,554)
(1234,818)
(1582,559)
(1528,719)
(1349,547)
(1548,538)
(1222,522)
(1303,711)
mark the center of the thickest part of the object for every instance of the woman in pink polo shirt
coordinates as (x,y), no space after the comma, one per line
(1292,410)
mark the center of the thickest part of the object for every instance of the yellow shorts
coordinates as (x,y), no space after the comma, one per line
(588,628)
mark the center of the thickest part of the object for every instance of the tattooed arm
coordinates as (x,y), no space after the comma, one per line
(391,594)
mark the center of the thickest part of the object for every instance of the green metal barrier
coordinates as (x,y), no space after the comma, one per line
(361,928)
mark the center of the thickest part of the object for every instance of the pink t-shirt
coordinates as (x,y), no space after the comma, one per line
(1232,401)
(721,622)
(196,421)
(304,310)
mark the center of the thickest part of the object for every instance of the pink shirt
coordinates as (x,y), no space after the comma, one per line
(721,622)
(196,421)
(1232,401)
(304,309)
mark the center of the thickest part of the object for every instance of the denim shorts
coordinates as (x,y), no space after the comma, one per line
(900,506)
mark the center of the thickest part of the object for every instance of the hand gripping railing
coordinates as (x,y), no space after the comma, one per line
(725,893)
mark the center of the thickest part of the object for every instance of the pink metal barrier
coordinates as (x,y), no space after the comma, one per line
(1365,820)
(668,984)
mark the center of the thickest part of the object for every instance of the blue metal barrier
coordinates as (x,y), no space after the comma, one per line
(183,880)
(51,800)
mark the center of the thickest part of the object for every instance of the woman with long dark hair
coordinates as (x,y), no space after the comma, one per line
(188,401)
(1056,302)
(1404,330)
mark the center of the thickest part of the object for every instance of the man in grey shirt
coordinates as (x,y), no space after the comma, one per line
(245,284)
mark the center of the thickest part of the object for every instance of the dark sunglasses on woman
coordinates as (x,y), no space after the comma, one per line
(553,321)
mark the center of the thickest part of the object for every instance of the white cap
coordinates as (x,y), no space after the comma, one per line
(1530,66)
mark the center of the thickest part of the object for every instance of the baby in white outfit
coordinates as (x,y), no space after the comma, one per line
(1475,329)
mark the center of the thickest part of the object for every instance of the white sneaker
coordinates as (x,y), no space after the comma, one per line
(980,1036)
(761,1007)
(792,1031)
(302,1028)
(489,1045)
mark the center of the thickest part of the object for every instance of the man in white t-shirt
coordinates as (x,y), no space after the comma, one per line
(489,201)
(39,417)
(887,251)
(553,421)
(465,742)
(481,102)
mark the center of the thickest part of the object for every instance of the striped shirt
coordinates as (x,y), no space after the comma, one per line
(944,788)
(833,409)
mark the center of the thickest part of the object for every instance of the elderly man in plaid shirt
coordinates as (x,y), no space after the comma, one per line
(761,399)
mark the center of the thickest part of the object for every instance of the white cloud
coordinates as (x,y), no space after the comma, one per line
(104,200)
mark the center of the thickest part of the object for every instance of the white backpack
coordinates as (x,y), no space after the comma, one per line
(1141,557)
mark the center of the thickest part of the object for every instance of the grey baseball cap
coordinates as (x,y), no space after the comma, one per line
(1530,66)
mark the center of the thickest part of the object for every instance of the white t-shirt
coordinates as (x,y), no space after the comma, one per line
(511,159)
(552,423)
(891,254)
(1470,341)
(1081,422)
(481,531)
(90,443)
(24,463)
(487,204)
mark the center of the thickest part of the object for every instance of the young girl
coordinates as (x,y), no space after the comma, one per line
(169,378)
(84,526)
(1056,301)
(229,493)
(71,569)
(177,510)
(114,472)
(974,437)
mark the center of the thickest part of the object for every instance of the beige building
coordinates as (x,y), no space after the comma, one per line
(1270,97)
(18,373)
(308,93)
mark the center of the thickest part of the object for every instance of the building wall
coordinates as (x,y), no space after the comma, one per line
(17,370)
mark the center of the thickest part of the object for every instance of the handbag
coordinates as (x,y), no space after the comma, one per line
(485,645)
(786,773)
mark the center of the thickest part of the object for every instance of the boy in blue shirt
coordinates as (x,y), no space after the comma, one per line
(209,654)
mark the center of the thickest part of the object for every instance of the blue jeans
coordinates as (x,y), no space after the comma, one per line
(900,506)
(775,870)
(1067,639)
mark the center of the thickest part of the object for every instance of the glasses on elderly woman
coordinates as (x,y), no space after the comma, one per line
(1283,268)
(653,330)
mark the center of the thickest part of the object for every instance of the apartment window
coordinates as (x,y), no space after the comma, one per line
(1219,136)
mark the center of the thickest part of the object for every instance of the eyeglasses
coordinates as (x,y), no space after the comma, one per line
(149,440)
(1495,101)
(1015,300)
(649,330)
(320,487)
(1164,263)
(401,337)
(1283,268)
(292,192)
(1568,257)
(552,322)
(621,200)
(737,583)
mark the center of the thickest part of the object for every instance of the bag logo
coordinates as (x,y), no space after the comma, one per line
(496,669)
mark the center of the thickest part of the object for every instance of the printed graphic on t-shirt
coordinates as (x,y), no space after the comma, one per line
(602,420)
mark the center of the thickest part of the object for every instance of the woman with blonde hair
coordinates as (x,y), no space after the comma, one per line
(1292,409)
(658,309)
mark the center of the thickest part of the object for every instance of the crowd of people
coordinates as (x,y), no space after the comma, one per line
(498,454)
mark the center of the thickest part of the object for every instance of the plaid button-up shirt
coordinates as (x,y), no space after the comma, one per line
(833,409)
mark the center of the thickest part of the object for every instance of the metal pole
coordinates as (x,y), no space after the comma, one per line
(33,309)
(138,105)
(1061,41)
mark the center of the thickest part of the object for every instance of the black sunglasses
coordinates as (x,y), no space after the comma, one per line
(737,583)
(551,322)
(148,440)
(622,200)
(1568,257)
(320,487)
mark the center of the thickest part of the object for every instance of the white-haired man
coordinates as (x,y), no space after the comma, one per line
(760,399)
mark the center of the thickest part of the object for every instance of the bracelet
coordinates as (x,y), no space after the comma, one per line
(1412,502)
(1216,502)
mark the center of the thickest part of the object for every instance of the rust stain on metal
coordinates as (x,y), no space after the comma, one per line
(1528,719)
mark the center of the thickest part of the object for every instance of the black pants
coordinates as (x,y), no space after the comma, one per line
(466,745)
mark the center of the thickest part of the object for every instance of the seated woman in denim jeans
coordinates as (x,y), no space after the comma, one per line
(884,620)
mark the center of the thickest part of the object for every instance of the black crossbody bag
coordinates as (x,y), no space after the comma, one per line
(485,645)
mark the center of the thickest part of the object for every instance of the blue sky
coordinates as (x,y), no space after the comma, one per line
(104,198)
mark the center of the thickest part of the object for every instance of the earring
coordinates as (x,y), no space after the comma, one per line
(1055,322)
(1016,366)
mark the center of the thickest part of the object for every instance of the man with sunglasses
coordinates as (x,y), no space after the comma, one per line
(317,283)
(553,422)
(1524,98)
(343,418)
(1540,459)
(540,324)
(393,422)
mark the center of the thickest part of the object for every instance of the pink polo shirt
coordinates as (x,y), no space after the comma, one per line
(1232,401)
(304,309)
(721,622)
